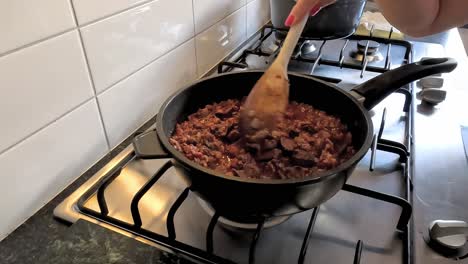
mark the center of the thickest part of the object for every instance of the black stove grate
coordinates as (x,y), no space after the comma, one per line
(207,256)
(268,30)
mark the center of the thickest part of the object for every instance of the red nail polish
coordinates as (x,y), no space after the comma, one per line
(289,21)
(315,10)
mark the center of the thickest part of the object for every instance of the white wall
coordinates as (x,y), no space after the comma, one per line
(77,77)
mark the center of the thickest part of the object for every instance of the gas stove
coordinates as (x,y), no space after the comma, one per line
(369,221)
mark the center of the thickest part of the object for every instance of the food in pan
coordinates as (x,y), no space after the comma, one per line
(306,142)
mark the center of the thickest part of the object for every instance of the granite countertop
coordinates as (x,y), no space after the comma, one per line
(45,239)
(85,242)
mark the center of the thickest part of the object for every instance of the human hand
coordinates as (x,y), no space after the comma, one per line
(305,7)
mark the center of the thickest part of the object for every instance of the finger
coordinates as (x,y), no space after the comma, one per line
(315,10)
(300,10)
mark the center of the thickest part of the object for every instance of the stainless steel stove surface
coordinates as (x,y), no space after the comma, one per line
(147,200)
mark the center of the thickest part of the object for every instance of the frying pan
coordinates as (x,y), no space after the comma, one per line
(249,200)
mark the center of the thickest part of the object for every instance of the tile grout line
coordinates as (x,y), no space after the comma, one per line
(203,31)
(25,46)
(195,38)
(115,13)
(216,22)
(90,76)
(77,26)
(46,125)
(144,66)
(81,104)
(182,43)
(167,52)
(246,19)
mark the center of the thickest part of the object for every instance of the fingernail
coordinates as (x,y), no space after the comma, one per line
(315,10)
(289,21)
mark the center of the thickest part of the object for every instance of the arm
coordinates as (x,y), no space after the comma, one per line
(413,17)
(424,17)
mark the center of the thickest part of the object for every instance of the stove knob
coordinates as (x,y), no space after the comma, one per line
(433,95)
(451,234)
(431,82)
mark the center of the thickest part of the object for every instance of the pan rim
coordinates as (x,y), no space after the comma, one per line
(323,176)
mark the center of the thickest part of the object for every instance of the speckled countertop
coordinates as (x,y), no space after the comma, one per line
(45,239)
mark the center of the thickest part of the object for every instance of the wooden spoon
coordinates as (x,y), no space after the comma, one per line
(268,99)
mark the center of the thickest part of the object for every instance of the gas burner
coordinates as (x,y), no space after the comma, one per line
(372,54)
(372,49)
(308,48)
(270,47)
(233,225)
(278,42)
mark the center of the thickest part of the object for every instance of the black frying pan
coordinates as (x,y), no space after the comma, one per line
(247,200)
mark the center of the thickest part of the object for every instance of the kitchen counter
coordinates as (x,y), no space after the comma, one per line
(441,168)
(85,242)
(439,182)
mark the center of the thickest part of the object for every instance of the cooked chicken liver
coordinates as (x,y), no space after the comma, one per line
(307,141)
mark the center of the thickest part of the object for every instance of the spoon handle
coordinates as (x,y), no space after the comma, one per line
(290,42)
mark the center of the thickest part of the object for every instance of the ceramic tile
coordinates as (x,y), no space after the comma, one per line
(122,44)
(219,40)
(89,10)
(258,14)
(55,156)
(39,84)
(133,101)
(26,21)
(209,12)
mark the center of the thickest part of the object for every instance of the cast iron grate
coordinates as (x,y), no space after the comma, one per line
(207,255)
(256,49)
(268,30)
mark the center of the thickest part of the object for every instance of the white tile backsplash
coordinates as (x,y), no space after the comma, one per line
(131,102)
(41,166)
(89,10)
(258,14)
(208,12)
(26,21)
(40,83)
(122,44)
(69,92)
(219,40)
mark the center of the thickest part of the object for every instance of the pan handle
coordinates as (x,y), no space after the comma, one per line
(148,146)
(376,89)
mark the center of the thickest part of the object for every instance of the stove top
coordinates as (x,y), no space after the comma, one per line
(367,222)
(340,60)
